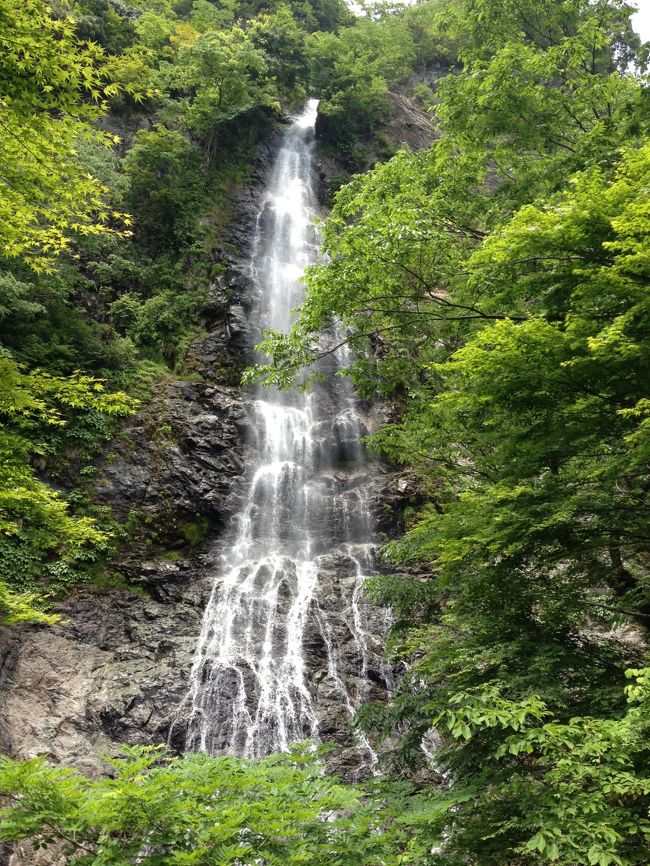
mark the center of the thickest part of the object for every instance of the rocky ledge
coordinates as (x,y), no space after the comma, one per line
(115,668)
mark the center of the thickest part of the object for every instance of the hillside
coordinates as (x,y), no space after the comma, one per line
(430,557)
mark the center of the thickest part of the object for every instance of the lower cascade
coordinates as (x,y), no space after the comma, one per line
(288,647)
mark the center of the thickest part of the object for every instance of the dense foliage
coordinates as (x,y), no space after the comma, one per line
(198,810)
(495,287)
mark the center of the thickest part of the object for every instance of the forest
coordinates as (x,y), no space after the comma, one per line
(493,289)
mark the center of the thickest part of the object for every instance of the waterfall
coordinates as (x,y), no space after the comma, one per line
(287,638)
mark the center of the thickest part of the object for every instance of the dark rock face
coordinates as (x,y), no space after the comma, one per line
(115,669)
(179,460)
(409,124)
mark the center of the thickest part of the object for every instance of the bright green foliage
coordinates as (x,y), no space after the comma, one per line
(573,793)
(197,810)
(495,287)
(482,28)
(535,448)
(548,415)
(51,88)
(42,546)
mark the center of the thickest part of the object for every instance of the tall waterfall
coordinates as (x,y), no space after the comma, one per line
(287,641)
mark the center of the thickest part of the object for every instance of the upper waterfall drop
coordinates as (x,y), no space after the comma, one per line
(284,635)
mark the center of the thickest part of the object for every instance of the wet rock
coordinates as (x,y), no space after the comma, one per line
(217,301)
(179,461)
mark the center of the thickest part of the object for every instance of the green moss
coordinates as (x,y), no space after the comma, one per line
(113,582)
(195,532)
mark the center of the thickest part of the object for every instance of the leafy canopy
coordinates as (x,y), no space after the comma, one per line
(494,288)
(200,810)
(52,90)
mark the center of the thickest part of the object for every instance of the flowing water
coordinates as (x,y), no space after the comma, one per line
(288,643)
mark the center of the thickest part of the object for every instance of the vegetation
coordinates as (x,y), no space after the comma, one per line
(350,71)
(494,287)
(196,810)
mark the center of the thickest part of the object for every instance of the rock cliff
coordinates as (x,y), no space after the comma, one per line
(115,669)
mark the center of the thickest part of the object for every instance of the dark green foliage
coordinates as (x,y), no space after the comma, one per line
(111,23)
(165,188)
(278,34)
(350,72)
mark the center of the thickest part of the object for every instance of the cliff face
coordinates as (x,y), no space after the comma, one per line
(116,668)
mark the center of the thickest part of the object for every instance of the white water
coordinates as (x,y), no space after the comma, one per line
(303,541)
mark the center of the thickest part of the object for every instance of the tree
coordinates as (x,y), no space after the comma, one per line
(573,793)
(42,546)
(52,90)
(225,76)
(196,810)
(165,176)
(349,72)
(279,36)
